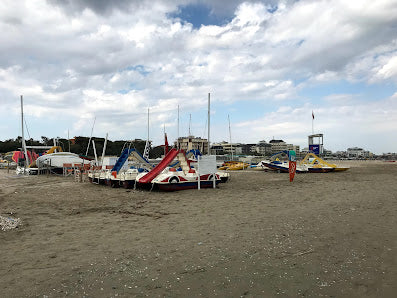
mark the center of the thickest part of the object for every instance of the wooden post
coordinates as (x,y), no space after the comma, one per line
(8,168)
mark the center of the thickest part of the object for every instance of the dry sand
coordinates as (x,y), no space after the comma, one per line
(258,235)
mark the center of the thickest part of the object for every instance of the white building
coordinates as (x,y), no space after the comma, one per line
(191,142)
(262,148)
(277,146)
(356,152)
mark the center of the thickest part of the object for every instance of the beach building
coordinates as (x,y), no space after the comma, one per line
(227,148)
(277,146)
(356,152)
(232,148)
(280,145)
(248,149)
(262,148)
(191,142)
(296,148)
(217,149)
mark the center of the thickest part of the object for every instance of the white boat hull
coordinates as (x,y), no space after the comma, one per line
(56,160)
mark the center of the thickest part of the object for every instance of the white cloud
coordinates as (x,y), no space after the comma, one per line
(345,121)
(388,70)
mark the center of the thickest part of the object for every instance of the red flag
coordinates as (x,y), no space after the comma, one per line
(292,170)
(165,145)
(312,115)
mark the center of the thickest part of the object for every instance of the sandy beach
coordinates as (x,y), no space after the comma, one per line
(331,235)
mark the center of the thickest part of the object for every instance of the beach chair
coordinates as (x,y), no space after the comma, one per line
(67,169)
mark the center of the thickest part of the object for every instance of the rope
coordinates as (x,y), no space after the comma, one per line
(26,125)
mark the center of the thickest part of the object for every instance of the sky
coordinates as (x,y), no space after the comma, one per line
(268,65)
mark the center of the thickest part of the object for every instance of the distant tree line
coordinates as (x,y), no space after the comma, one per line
(79,145)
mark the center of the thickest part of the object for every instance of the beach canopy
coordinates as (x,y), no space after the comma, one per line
(32,156)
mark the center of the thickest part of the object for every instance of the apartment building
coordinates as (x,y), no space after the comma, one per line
(191,142)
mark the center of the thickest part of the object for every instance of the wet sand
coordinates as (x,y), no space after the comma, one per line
(259,235)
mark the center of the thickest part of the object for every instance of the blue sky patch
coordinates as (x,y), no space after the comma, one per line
(138,68)
(199,14)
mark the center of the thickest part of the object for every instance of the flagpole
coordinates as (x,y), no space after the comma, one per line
(209,114)
(23,137)
(312,123)
(177,140)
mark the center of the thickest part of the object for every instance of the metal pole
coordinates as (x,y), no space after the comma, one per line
(209,101)
(69,140)
(177,140)
(23,136)
(230,137)
(190,123)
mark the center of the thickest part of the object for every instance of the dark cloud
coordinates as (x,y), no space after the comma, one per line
(222,9)
(101,7)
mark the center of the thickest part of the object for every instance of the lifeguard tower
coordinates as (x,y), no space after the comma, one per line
(316,142)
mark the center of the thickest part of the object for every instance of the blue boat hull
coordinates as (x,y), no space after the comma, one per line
(280,168)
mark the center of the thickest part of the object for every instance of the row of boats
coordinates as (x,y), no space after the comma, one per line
(310,163)
(176,171)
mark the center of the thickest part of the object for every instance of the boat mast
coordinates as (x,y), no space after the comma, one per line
(147,146)
(23,136)
(190,123)
(177,140)
(69,140)
(209,101)
(230,137)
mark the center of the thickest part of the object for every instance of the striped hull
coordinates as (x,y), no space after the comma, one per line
(185,185)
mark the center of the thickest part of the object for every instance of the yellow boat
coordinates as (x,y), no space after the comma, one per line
(234,165)
(317,165)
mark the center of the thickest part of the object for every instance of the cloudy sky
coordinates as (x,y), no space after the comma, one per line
(267,64)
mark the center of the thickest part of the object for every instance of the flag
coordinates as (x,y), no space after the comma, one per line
(312,115)
(165,145)
(292,170)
